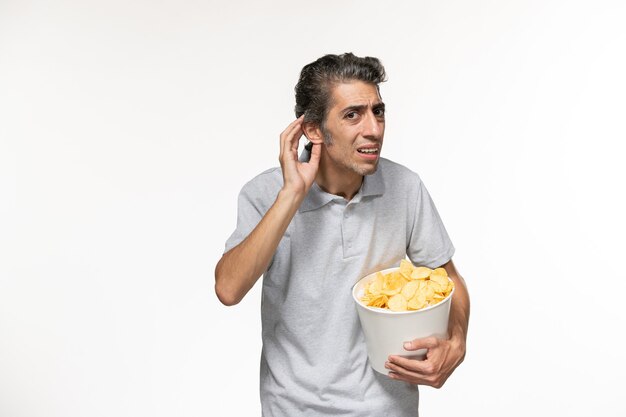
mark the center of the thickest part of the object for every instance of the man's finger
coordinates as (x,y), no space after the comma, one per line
(290,137)
(430,381)
(296,134)
(292,124)
(316,151)
(417,372)
(425,343)
(410,380)
(419,367)
(405,372)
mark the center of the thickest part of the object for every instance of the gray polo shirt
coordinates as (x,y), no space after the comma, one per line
(314,359)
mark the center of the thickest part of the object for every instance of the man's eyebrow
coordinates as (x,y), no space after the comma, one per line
(361,107)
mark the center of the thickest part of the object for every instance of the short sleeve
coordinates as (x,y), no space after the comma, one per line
(428,243)
(248,216)
(255,199)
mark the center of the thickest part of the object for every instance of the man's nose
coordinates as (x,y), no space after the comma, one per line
(373,126)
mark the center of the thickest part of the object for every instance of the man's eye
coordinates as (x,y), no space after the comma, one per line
(379,112)
(351,115)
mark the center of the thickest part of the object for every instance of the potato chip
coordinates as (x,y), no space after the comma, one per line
(397,303)
(439,283)
(428,290)
(436,287)
(379,301)
(376,285)
(438,297)
(440,271)
(408,291)
(418,302)
(406,268)
(393,283)
(408,288)
(421,272)
(442,280)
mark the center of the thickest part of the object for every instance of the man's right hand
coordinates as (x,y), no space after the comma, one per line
(242,266)
(298,176)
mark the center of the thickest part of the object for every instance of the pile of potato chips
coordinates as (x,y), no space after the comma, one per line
(410,288)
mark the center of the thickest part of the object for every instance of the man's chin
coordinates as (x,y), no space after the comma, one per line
(368,170)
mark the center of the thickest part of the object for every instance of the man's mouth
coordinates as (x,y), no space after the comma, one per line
(368,151)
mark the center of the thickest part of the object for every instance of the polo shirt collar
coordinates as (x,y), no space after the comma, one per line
(372,185)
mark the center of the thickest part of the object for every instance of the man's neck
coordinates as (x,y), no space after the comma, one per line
(337,181)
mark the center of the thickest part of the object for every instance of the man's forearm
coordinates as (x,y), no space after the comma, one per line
(241,267)
(460,307)
(459,313)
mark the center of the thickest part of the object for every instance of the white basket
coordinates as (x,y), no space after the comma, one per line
(386,331)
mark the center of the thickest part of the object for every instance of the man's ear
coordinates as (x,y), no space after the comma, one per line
(313,133)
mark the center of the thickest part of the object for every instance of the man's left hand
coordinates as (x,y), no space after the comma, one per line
(442,358)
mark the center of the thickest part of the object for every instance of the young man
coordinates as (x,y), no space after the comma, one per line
(316,225)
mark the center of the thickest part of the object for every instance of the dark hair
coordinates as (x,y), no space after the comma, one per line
(314,87)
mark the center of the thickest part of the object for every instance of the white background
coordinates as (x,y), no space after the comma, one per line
(128,127)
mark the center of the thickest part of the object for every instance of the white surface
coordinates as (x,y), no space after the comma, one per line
(385,330)
(128,127)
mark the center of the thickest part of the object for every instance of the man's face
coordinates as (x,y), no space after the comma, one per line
(355,125)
